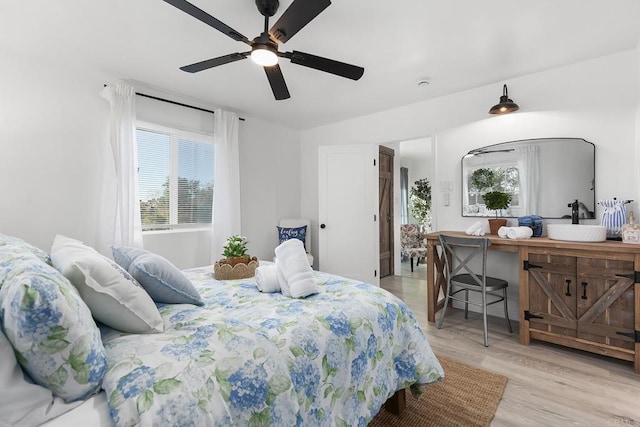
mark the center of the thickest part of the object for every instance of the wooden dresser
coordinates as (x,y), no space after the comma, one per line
(579,295)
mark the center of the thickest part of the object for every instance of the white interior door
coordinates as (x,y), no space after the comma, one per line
(348,211)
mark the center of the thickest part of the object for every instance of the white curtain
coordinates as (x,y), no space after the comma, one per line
(528,169)
(119,222)
(226,187)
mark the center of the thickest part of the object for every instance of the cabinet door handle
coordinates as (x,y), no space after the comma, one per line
(568,293)
(584,290)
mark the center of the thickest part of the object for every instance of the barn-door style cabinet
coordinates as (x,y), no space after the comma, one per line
(582,300)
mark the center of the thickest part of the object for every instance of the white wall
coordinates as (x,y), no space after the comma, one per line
(52,124)
(596,100)
(270,183)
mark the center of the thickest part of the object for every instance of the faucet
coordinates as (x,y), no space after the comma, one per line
(575,213)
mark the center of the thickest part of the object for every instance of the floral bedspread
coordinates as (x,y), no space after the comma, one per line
(249,358)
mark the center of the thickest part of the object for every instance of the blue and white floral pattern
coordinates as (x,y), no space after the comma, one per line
(50,328)
(17,245)
(250,358)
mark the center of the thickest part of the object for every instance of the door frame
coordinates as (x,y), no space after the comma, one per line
(430,142)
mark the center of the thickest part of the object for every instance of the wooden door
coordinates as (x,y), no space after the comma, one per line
(348,211)
(385,199)
(606,302)
(552,294)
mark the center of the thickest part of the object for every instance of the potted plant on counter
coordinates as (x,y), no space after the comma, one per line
(496,201)
(237,263)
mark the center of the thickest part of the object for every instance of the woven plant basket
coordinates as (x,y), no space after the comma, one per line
(224,270)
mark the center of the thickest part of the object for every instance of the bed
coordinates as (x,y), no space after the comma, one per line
(245,357)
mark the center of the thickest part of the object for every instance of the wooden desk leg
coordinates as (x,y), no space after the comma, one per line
(636,362)
(523,255)
(432,298)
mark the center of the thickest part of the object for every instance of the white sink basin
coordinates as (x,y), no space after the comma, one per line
(577,232)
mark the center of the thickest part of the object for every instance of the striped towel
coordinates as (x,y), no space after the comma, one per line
(614,216)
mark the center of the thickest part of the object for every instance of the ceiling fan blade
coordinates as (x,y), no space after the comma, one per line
(276,80)
(297,15)
(327,65)
(210,63)
(203,16)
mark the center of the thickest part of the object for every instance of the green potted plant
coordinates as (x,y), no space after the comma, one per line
(237,263)
(235,250)
(420,202)
(496,201)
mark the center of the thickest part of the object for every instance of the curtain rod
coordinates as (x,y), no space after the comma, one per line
(178,103)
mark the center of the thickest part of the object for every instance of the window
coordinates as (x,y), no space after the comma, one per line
(507,178)
(175,177)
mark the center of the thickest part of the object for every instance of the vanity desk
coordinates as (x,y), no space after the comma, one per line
(580,295)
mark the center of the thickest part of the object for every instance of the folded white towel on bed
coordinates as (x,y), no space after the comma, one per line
(294,272)
(282,281)
(267,278)
(515,232)
(476,229)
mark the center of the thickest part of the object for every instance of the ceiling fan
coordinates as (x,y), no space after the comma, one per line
(264,48)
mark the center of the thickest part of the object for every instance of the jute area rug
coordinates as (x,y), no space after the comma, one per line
(468,396)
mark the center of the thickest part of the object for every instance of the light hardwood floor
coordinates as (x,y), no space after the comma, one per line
(548,385)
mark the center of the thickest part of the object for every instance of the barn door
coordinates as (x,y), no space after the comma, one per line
(606,301)
(552,293)
(385,199)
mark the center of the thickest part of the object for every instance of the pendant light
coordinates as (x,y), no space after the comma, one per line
(506,105)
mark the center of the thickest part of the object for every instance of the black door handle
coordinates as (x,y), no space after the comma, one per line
(568,293)
(584,290)
(323,226)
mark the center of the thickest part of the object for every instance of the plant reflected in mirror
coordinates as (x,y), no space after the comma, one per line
(540,175)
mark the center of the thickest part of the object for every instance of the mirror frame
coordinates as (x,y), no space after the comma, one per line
(588,206)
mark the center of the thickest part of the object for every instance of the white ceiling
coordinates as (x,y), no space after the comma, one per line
(457,44)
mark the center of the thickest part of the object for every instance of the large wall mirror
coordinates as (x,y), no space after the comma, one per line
(542,176)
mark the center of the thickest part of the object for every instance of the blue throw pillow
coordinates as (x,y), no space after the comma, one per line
(162,280)
(51,329)
(286,233)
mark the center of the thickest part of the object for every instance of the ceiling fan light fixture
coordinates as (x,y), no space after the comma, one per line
(264,55)
(506,105)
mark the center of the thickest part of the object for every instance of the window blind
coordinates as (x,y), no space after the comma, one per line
(175,178)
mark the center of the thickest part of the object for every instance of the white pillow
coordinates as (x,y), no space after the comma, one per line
(114,297)
(21,401)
